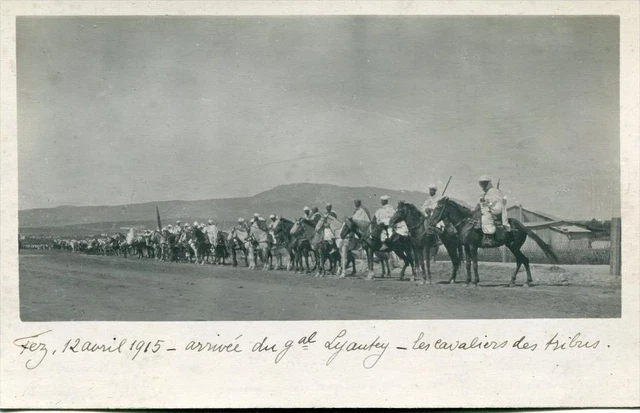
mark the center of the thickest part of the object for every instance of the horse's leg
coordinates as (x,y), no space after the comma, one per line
(414,262)
(386,259)
(370,272)
(467,256)
(455,260)
(474,257)
(268,261)
(344,262)
(252,257)
(319,261)
(520,260)
(409,254)
(423,266)
(427,253)
(405,263)
(306,260)
(233,256)
(352,258)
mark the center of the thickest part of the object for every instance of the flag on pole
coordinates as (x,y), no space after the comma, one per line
(158,217)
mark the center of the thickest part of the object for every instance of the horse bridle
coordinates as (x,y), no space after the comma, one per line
(456,226)
(435,221)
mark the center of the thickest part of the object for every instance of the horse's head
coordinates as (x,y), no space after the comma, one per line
(401,214)
(449,210)
(296,228)
(348,227)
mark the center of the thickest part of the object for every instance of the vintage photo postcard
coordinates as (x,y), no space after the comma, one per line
(322,204)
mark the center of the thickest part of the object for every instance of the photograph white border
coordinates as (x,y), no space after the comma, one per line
(603,377)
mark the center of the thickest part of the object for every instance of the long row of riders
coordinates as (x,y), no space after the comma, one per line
(323,243)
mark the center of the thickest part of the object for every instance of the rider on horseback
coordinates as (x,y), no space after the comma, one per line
(492,207)
(360,210)
(259,221)
(382,217)
(272,226)
(311,216)
(272,223)
(431,203)
(329,236)
(241,226)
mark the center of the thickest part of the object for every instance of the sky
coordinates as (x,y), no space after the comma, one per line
(120,110)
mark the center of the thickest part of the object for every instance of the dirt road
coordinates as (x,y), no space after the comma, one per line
(64,286)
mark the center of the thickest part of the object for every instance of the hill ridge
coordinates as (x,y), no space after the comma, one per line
(286,200)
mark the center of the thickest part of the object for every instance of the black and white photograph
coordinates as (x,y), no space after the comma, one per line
(327,204)
(318,167)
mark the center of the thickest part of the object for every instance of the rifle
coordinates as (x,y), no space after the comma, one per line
(447,185)
(498,185)
(158,218)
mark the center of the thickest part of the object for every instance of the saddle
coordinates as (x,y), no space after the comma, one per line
(494,239)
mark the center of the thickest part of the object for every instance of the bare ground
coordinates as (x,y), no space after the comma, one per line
(64,286)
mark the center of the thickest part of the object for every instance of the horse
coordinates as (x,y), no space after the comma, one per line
(424,238)
(324,248)
(237,240)
(372,243)
(118,244)
(159,242)
(281,239)
(303,233)
(218,242)
(472,238)
(357,234)
(183,247)
(199,243)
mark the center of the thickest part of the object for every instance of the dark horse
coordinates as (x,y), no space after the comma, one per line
(200,245)
(371,243)
(424,238)
(472,238)
(283,238)
(302,234)
(219,248)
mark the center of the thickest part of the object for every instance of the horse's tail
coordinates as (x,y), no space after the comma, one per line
(543,245)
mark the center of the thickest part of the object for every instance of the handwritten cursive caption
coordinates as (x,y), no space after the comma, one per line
(35,348)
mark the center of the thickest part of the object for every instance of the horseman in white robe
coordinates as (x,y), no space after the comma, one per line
(328,233)
(273,219)
(361,213)
(430,204)
(241,225)
(312,216)
(259,222)
(492,206)
(383,215)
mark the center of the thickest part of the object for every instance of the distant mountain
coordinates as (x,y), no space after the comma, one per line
(284,200)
